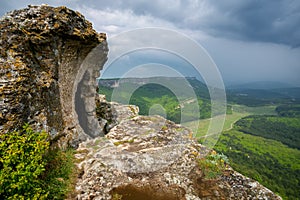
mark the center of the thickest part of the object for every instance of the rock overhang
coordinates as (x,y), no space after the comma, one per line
(43,60)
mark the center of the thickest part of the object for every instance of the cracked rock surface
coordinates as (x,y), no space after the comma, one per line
(149,157)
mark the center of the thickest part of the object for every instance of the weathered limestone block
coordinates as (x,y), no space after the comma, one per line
(149,157)
(43,60)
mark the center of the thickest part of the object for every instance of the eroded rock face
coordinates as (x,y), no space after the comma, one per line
(148,157)
(43,60)
(110,114)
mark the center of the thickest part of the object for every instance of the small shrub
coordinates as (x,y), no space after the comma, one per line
(30,170)
(213,165)
(21,163)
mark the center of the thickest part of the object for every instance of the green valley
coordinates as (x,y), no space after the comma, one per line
(237,112)
(261,133)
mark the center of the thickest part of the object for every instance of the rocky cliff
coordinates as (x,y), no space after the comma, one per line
(49,59)
(45,72)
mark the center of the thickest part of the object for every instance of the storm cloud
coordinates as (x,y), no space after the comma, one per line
(250,40)
(253,20)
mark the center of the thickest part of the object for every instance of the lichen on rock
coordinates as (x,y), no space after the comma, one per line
(43,60)
(149,157)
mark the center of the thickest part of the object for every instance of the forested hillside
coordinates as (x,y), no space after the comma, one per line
(266,148)
(151,94)
(283,129)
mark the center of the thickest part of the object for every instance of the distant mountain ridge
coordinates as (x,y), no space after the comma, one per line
(262,85)
(110,82)
(256,93)
(198,86)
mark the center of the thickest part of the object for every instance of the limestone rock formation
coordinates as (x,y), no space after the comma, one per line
(49,61)
(46,67)
(148,157)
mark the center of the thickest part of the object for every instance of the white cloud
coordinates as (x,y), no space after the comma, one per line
(116,21)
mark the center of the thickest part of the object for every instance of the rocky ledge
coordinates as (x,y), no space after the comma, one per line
(149,157)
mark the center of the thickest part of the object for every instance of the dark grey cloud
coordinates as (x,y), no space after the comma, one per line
(266,21)
(250,20)
(254,20)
